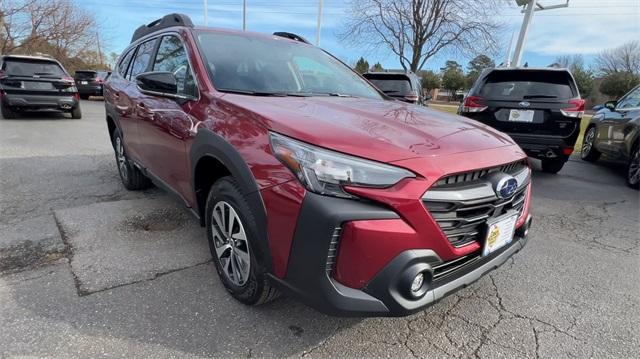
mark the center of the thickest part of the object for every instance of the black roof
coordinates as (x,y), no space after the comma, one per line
(166,21)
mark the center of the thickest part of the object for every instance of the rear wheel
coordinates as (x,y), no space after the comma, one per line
(7,112)
(552,166)
(231,231)
(589,151)
(76,112)
(633,168)
(132,178)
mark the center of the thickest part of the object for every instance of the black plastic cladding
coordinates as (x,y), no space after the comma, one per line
(163,23)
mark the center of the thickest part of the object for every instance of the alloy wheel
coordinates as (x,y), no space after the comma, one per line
(230,241)
(634,168)
(587,144)
(122,159)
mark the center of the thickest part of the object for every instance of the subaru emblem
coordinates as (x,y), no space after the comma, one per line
(524,104)
(506,186)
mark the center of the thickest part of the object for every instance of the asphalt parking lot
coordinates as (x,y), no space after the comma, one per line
(128,274)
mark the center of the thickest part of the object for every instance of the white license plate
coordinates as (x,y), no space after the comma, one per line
(500,233)
(83,82)
(521,115)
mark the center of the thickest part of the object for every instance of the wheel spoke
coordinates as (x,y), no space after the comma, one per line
(242,256)
(222,249)
(236,268)
(232,220)
(219,221)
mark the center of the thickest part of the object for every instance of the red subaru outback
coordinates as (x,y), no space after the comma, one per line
(307,178)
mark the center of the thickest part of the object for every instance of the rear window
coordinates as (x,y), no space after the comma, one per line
(391,85)
(85,75)
(42,68)
(528,85)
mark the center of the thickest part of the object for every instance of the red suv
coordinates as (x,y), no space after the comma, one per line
(307,178)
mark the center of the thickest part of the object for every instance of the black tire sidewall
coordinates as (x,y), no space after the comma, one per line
(633,154)
(225,189)
(553,166)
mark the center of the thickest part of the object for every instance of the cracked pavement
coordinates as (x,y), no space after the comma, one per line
(572,292)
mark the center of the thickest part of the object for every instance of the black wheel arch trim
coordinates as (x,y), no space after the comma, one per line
(206,143)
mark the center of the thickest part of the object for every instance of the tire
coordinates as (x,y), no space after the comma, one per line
(76,113)
(236,264)
(84,97)
(633,168)
(7,113)
(589,152)
(552,166)
(132,178)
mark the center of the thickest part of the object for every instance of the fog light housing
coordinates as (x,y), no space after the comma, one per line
(417,283)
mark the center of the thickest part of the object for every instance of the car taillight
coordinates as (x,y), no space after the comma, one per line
(577,109)
(411,97)
(473,104)
(76,96)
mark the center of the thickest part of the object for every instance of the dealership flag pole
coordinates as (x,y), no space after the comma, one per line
(206,15)
(319,22)
(244,14)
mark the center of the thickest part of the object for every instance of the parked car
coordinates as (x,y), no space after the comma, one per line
(35,83)
(540,109)
(90,82)
(613,131)
(405,86)
(306,177)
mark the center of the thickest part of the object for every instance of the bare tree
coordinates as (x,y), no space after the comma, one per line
(56,27)
(625,58)
(416,30)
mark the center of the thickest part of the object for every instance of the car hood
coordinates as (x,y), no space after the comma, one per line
(385,131)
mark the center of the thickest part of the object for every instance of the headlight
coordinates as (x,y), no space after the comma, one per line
(326,172)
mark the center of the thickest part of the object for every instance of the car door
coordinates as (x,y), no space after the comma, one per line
(164,124)
(628,109)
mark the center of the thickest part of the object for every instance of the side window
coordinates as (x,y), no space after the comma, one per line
(172,57)
(141,61)
(124,63)
(632,100)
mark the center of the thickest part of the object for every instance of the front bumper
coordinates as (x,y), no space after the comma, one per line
(37,102)
(310,272)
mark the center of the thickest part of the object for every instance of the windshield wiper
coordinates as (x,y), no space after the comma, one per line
(265,93)
(390,91)
(538,96)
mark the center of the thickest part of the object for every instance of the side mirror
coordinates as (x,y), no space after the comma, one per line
(163,84)
(611,105)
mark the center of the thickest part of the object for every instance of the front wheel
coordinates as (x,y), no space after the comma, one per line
(633,168)
(552,166)
(232,235)
(589,152)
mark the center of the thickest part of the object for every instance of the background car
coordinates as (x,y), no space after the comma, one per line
(613,131)
(404,86)
(540,109)
(36,83)
(89,82)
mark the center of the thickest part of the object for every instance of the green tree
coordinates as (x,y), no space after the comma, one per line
(616,84)
(452,78)
(362,65)
(377,67)
(583,76)
(476,66)
(430,80)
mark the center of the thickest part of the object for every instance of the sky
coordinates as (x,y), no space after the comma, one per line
(586,27)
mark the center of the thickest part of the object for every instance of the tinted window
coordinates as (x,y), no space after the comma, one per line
(391,86)
(143,57)
(241,63)
(523,85)
(85,75)
(124,63)
(28,67)
(172,57)
(632,100)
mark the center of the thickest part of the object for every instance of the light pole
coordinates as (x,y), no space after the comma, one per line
(531,6)
(244,15)
(319,22)
(206,13)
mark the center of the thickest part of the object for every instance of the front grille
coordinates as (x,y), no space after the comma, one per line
(333,249)
(510,168)
(462,210)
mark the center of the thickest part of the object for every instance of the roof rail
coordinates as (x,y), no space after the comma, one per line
(167,21)
(291,36)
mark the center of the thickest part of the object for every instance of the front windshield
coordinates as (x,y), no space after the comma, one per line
(262,66)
